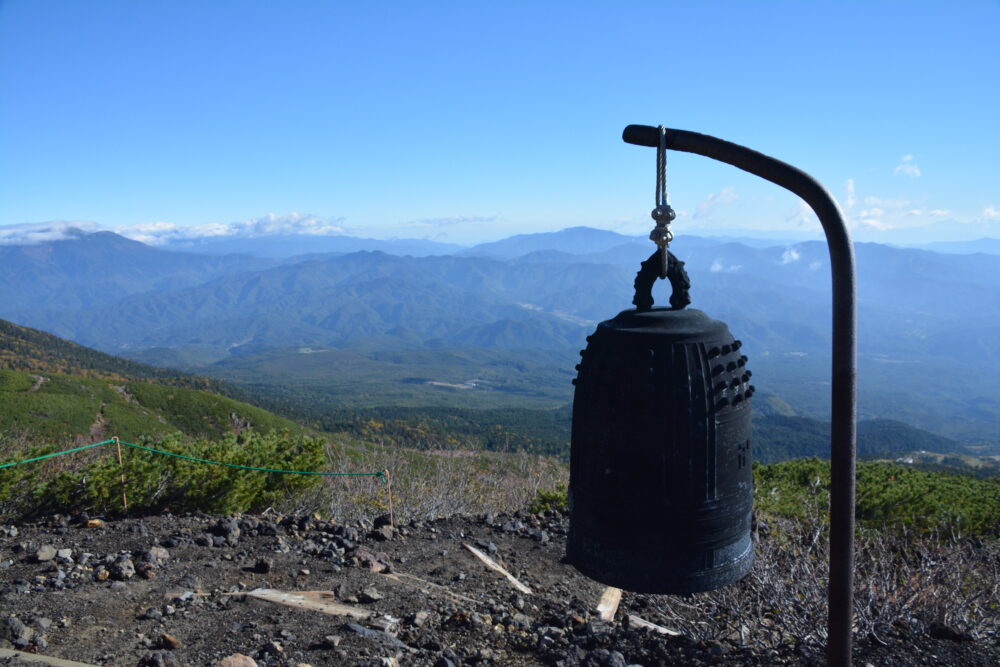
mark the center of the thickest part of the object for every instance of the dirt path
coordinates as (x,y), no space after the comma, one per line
(39,381)
(99,429)
(123,391)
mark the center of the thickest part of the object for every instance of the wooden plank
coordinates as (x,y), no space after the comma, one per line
(608,604)
(492,564)
(636,622)
(41,659)
(313,600)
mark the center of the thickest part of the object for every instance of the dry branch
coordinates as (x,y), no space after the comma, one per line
(492,564)
(313,600)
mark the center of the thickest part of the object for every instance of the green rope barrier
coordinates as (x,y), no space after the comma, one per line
(380,475)
(49,456)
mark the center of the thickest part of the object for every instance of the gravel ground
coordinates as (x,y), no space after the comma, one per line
(173,590)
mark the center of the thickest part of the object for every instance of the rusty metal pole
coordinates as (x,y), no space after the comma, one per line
(844,380)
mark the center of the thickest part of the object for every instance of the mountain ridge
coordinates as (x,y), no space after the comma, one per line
(921,314)
(55,391)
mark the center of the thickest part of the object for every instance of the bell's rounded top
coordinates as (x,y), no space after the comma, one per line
(679,325)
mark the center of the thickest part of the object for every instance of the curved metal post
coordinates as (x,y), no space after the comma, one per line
(844,389)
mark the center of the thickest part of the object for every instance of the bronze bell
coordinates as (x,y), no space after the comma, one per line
(661,487)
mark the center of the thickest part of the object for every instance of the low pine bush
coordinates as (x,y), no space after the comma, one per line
(154,482)
(550,499)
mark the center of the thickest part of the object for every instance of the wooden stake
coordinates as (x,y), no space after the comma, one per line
(388,484)
(608,605)
(122,467)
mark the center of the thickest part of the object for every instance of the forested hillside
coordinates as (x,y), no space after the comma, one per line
(45,407)
(23,348)
(58,391)
(54,391)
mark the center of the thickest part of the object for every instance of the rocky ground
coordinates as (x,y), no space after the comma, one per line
(176,590)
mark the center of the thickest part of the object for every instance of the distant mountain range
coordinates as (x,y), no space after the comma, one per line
(102,268)
(355,299)
(985,245)
(292,245)
(571,241)
(928,321)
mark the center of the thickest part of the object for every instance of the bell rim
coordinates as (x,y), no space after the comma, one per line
(677,325)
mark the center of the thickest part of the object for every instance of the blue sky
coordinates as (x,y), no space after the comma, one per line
(467,121)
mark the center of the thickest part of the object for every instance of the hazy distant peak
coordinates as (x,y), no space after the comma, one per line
(77,241)
(34,233)
(983,245)
(572,240)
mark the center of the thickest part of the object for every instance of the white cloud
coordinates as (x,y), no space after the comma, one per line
(152,233)
(923,212)
(293,223)
(990,213)
(790,255)
(802,216)
(884,213)
(815,265)
(850,201)
(32,233)
(719,267)
(158,233)
(907,167)
(872,218)
(872,213)
(715,200)
(871,222)
(887,203)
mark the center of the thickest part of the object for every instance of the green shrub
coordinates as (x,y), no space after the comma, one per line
(550,499)
(13,381)
(132,422)
(155,482)
(888,497)
(201,413)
